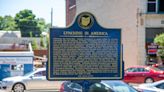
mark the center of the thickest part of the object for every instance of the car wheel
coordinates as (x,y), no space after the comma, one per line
(149,80)
(18,87)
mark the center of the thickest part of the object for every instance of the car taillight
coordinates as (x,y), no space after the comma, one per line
(155,65)
(62,88)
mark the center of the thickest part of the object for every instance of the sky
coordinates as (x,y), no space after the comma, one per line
(41,8)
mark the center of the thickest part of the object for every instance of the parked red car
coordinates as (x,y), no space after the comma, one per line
(143,74)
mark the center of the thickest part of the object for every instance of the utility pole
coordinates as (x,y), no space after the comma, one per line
(51,17)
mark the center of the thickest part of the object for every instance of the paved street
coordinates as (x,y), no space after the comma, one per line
(36,91)
(42,91)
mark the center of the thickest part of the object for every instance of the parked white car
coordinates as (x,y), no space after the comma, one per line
(31,81)
(152,87)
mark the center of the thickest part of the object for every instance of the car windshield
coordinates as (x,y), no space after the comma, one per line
(28,74)
(156,69)
(119,86)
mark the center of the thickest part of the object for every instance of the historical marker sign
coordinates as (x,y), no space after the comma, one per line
(85,51)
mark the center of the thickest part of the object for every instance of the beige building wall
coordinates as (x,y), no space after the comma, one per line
(119,14)
(154,20)
(147,20)
(142,6)
(129,15)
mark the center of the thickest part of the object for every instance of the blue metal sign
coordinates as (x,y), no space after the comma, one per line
(85,51)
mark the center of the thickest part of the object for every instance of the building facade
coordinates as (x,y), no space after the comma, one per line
(70,11)
(152,18)
(140,21)
(15,60)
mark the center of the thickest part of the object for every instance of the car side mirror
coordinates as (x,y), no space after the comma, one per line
(32,76)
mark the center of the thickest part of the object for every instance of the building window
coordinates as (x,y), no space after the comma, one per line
(155,6)
(18,67)
(161,6)
(151,6)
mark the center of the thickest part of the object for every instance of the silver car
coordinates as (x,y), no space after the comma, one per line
(31,81)
(157,86)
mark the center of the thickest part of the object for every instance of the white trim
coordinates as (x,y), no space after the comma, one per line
(72,7)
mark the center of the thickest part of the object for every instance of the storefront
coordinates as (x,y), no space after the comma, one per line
(14,62)
(151,47)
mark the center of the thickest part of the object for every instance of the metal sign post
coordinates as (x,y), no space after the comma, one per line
(85,51)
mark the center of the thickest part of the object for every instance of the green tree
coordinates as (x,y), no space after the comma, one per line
(41,24)
(8,23)
(159,40)
(1,21)
(34,44)
(42,43)
(47,41)
(48,26)
(27,23)
(30,34)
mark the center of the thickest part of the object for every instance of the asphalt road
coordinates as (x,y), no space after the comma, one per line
(42,91)
(132,84)
(35,91)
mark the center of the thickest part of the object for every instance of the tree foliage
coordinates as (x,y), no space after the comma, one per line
(159,39)
(41,24)
(8,23)
(34,44)
(27,23)
(1,23)
(42,43)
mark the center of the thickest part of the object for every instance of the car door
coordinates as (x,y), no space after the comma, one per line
(140,74)
(36,81)
(129,74)
(52,85)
